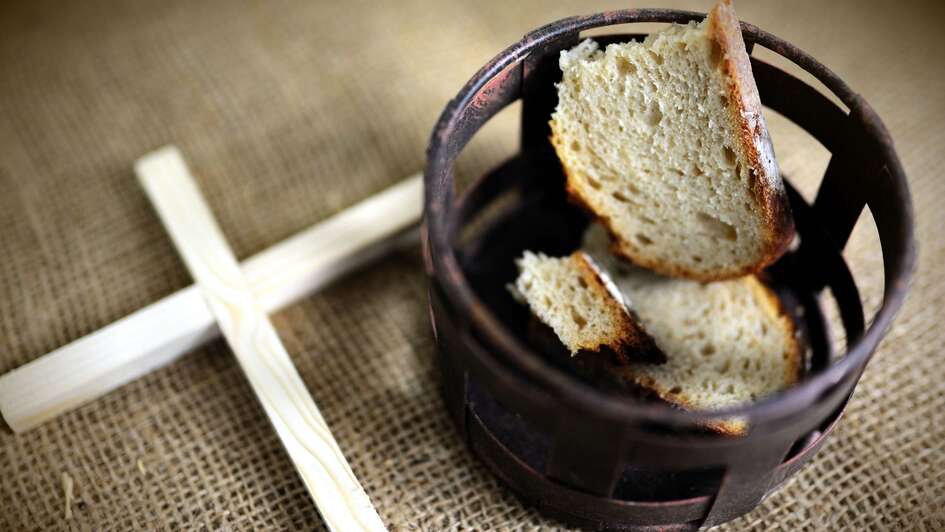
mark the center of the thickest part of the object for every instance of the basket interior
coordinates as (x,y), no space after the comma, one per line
(542,220)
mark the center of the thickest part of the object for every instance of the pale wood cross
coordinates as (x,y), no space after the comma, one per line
(233,299)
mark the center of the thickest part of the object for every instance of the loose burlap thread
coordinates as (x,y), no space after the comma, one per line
(289,111)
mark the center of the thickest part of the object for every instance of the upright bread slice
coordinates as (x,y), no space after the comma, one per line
(583,307)
(726,343)
(665,142)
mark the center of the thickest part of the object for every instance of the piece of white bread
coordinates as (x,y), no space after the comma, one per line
(583,307)
(726,343)
(664,141)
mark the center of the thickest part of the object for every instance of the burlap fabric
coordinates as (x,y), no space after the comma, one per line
(290,111)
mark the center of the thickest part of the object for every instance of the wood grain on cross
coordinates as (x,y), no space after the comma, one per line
(306,437)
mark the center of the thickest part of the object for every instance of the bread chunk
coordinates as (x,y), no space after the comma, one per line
(726,343)
(664,141)
(583,307)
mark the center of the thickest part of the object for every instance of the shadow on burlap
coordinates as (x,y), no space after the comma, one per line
(290,111)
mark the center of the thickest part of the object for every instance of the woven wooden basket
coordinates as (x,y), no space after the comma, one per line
(590,458)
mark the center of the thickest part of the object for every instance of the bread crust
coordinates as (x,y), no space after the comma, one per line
(631,343)
(748,119)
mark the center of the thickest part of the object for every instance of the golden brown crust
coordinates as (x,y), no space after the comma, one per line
(728,427)
(748,119)
(631,342)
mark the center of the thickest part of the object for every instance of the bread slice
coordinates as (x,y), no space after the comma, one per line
(665,142)
(583,307)
(726,343)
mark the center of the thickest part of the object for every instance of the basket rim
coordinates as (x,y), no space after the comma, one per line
(444,265)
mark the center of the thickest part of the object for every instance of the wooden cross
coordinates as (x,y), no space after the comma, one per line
(233,299)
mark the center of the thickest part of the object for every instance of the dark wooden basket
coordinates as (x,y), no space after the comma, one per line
(582,455)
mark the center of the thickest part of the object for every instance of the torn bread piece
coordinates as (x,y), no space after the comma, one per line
(726,343)
(583,307)
(664,141)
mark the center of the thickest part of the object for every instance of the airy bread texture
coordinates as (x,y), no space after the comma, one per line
(665,142)
(583,307)
(726,343)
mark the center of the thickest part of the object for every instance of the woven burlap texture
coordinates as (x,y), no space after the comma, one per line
(289,111)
